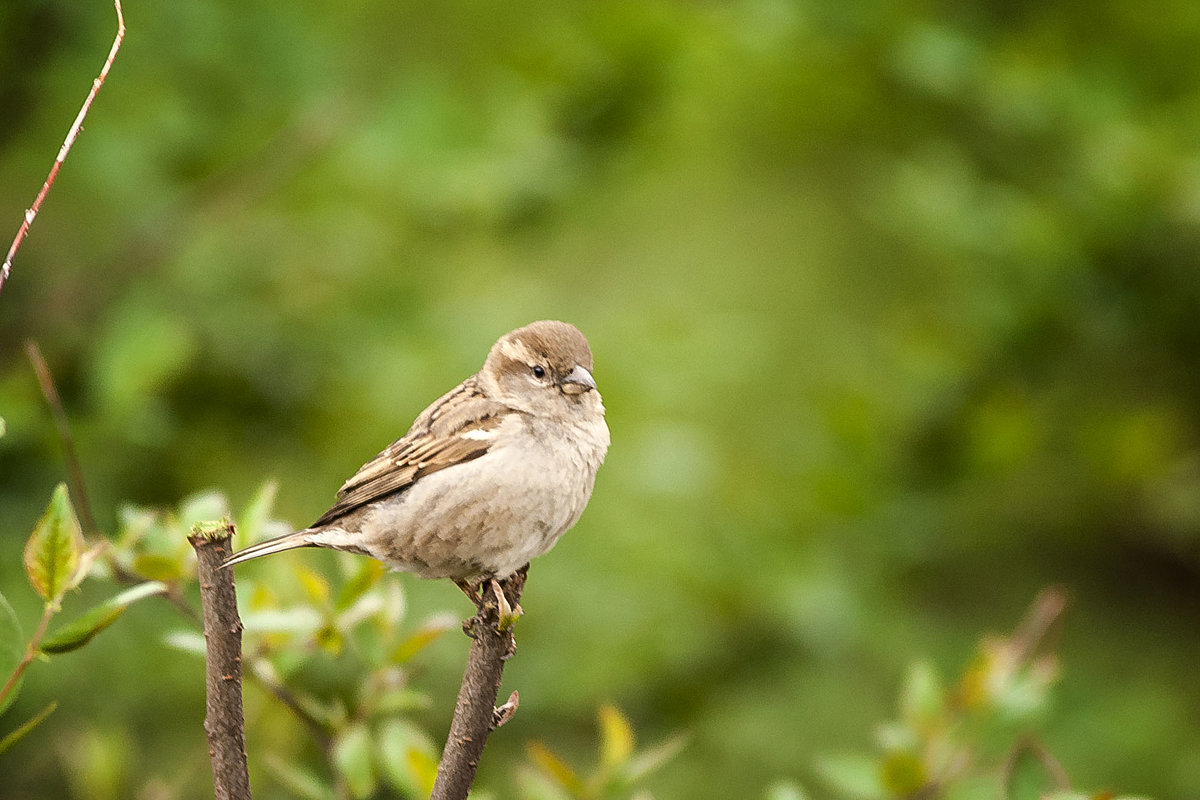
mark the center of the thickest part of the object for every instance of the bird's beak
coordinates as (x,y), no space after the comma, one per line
(578,381)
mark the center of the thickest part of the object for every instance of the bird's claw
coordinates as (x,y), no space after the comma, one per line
(507,613)
(471,590)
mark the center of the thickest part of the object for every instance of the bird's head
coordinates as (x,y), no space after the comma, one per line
(544,368)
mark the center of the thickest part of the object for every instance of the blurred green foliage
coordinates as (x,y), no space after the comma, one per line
(894,308)
(337,654)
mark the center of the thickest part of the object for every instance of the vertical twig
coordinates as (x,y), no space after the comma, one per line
(475,714)
(32,212)
(260,670)
(31,651)
(1038,624)
(78,487)
(223,721)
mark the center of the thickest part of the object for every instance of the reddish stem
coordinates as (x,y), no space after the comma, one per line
(32,212)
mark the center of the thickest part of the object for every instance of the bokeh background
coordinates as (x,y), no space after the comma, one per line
(895,308)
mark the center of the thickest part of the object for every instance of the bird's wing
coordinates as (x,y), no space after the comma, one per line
(459,427)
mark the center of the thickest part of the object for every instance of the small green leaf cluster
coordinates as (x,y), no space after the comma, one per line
(618,770)
(57,560)
(336,650)
(967,739)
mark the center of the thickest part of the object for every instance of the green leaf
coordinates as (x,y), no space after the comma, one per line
(203,505)
(12,648)
(903,774)
(536,786)
(153,544)
(367,576)
(400,701)
(132,524)
(3,427)
(855,776)
(78,632)
(424,636)
(652,759)
(352,759)
(298,781)
(52,552)
(892,736)
(139,592)
(784,791)
(330,640)
(315,587)
(20,733)
(186,642)
(922,699)
(616,737)
(424,766)
(158,567)
(394,605)
(407,757)
(298,621)
(1026,693)
(255,516)
(980,786)
(555,768)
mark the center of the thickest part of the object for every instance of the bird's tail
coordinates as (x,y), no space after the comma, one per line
(289,541)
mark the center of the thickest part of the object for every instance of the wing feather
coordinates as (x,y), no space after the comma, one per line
(452,431)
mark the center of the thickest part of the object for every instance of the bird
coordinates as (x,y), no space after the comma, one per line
(488,477)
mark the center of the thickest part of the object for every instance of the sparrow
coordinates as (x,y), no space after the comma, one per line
(487,478)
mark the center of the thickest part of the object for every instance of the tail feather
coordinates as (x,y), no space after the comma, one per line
(289,541)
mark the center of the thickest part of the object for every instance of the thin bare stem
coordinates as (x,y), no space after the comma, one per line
(32,212)
(31,651)
(1039,624)
(475,714)
(1028,746)
(50,392)
(260,671)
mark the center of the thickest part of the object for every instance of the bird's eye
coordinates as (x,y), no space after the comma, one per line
(539,371)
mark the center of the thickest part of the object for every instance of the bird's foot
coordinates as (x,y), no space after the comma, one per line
(508,613)
(471,590)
